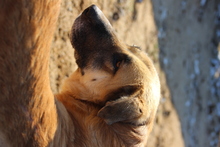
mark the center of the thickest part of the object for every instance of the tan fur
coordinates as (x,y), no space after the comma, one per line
(85,114)
(29,114)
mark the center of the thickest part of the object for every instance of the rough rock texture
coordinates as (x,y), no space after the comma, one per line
(181,37)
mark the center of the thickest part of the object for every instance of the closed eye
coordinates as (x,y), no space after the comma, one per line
(118,64)
(118,59)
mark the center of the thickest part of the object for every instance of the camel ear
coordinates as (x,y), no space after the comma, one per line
(124,105)
(125,109)
(125,91)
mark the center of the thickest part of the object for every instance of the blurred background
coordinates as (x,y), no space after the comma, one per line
(182,38)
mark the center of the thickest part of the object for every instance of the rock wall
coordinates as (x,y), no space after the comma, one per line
(188,50)
(177,35)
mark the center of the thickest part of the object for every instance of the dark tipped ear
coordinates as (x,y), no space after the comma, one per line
(124,105)
(125,109)
(123,91)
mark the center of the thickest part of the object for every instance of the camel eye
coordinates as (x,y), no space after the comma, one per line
(118,64)
(118,59)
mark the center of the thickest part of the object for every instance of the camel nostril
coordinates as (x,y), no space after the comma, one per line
(91,12)
(86,11)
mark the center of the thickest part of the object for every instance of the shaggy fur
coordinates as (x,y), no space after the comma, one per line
(100,105)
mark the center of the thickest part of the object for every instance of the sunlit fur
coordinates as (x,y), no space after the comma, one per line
(30,115)
(84,87)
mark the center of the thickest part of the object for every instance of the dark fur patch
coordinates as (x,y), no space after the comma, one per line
(123,91)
